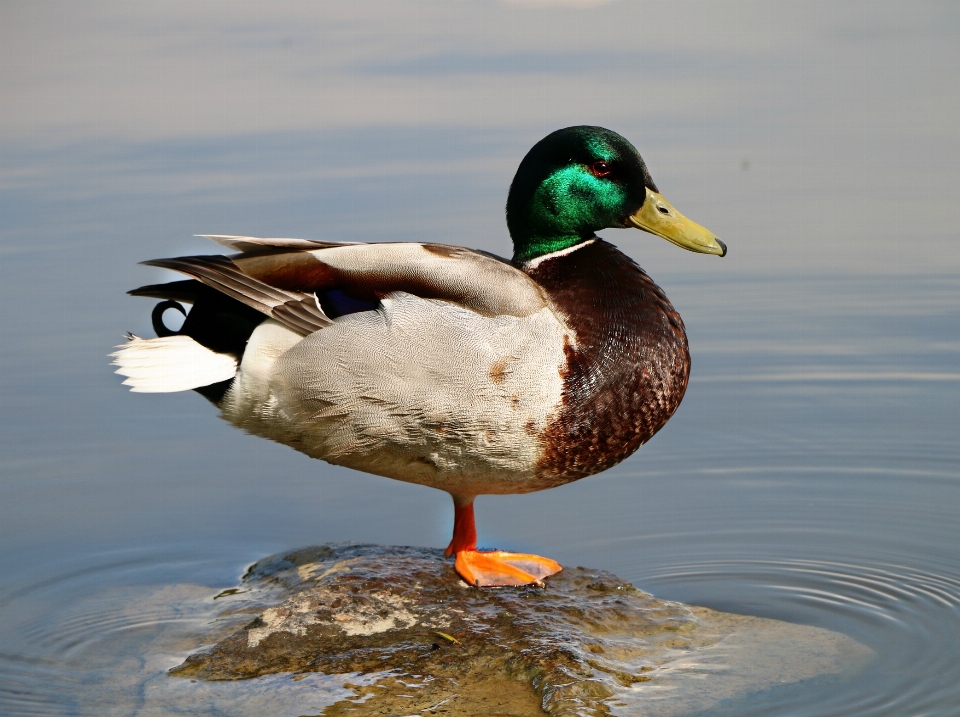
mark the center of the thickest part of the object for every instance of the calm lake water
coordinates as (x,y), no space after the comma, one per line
(812,473)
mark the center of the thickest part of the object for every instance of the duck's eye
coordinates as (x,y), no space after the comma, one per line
(600,169)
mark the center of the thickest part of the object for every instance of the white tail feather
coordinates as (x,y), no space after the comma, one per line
(171,363)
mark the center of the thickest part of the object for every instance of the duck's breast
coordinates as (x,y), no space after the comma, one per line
(626,370)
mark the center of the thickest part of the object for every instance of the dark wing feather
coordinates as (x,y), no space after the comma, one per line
(296,309)
(305,312)
(187,291)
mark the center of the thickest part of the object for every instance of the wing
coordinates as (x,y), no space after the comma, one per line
(475,280)
(296,309)
(289,279)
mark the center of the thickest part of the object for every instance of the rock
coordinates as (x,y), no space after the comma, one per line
(414,639)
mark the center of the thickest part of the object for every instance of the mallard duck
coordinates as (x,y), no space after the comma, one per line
(440,365)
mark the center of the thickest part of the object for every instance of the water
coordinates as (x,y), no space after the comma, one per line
(812,473)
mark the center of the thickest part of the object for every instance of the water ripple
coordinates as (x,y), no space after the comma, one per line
(99,641)
(909,617)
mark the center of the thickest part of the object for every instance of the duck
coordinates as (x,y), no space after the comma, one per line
(440,365)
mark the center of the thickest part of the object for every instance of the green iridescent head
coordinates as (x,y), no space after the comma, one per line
(578,180)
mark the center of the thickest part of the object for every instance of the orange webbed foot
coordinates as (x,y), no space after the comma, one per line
(494,567)
(498,568)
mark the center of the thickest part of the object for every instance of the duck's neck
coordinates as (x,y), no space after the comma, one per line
(541,222)
(528,248)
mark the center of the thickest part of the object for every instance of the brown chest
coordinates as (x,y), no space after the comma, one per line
(628,370)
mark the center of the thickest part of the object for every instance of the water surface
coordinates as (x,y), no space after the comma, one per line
(812,473)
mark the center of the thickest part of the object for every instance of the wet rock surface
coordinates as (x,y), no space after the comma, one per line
(409,637)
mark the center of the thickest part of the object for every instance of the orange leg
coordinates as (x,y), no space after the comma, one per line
(464,529)
(491,568)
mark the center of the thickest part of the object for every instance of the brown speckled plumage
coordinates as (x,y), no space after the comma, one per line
(628,371)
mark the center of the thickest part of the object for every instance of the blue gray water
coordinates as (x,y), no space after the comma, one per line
(812,473)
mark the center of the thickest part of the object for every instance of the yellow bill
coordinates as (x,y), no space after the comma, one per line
(658,216)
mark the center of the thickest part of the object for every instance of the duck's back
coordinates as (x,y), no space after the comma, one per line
(627,370)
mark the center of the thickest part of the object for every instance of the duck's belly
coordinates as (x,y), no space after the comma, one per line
(421,390)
